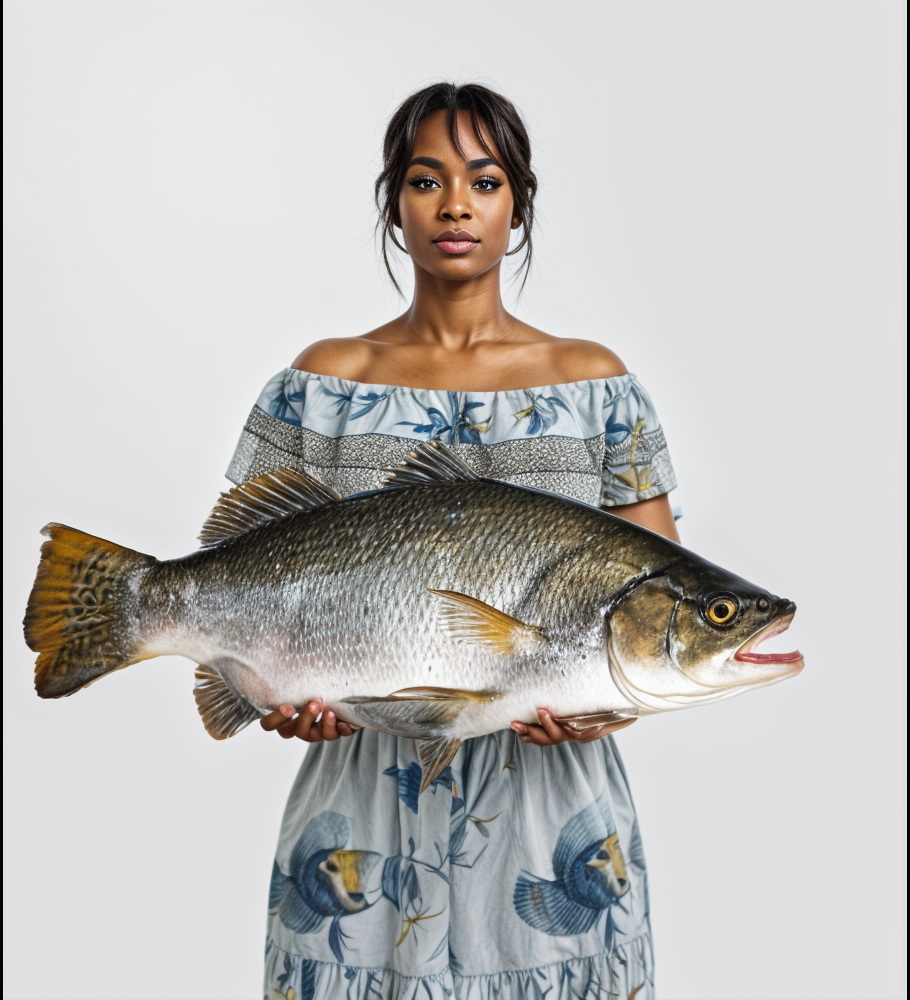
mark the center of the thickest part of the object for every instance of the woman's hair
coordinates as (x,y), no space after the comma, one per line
(489,111)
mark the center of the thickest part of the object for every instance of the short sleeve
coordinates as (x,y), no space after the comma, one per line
(271,436)
(636,463)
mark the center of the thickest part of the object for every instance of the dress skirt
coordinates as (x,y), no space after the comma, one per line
(517,874)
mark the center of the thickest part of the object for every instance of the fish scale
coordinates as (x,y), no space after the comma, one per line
(440,608)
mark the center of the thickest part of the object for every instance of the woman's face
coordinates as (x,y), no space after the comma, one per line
(456,211)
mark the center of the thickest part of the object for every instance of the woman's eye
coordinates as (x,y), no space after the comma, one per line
(423,183)
(487,183)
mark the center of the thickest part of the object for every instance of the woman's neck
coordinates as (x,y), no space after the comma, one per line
(457,314)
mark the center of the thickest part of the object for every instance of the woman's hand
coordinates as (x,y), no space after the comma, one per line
(550,732)
(308,725)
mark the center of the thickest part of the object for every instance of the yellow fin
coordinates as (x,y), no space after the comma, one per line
(275,495)
(435,756)
(80,617)
(469,619)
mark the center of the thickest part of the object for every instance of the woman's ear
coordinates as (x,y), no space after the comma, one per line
(516,221)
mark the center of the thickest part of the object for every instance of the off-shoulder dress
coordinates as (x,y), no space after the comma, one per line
(519,873)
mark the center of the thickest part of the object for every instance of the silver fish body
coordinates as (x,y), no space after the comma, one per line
(441,608)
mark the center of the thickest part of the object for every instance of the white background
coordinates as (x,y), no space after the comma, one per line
(188,205)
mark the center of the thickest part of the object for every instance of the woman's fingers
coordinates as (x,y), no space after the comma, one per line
(329,725)
(288,728)
(556,732)
(307,729)
(274,719)
(529,733)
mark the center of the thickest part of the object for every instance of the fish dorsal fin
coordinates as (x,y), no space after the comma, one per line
(471,620)
(430,464)
(258,501)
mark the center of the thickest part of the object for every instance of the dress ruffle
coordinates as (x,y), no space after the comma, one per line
(626,973)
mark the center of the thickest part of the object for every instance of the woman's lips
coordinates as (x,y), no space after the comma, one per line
(456,241)
(456,246)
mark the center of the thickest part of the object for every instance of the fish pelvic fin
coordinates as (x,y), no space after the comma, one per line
(270,497)
(416,713)
(471,620)
(425,714)
(429,464)
(81,618)
(583,723)
(224,712)
(435,755)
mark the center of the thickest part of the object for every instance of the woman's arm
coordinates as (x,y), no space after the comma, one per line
(656,515)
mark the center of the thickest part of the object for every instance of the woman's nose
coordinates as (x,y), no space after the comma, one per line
(455,208)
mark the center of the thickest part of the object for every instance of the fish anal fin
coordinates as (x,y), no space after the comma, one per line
(582,723)
(471,620)
(435,755)
(224,712)
(270,497)
(429,464)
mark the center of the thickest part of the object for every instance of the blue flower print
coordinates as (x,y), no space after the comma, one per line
(366,401)
(467,430)
(543,413)
(460,426)
(288,406)
(341,399)
(409,779)
(434,429)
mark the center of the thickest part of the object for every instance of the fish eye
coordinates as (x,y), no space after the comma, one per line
(722,610)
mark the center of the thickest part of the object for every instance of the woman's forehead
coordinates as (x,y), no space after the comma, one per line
(433,138)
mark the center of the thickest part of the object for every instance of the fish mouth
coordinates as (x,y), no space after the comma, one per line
(746,653)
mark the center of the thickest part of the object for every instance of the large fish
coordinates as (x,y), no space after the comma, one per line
(440,607)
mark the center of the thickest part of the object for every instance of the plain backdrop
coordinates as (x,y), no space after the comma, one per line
(188,205)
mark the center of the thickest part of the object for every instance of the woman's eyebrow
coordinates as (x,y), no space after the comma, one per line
(434,164)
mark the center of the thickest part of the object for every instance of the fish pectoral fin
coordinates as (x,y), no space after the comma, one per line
(435,756)
(275,495)
(582,723)
(416,713)
(471,620)
(224,712)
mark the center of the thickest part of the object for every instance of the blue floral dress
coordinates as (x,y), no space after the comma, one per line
(519,873)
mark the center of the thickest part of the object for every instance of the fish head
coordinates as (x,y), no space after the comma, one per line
(690,635)
(347,872)
(609,863)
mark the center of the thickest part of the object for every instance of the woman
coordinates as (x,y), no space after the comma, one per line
(519,872)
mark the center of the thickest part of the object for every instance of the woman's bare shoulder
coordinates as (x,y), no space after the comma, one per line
(578,360)
(343,357)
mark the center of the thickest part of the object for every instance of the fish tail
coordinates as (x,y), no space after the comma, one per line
(81,617)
